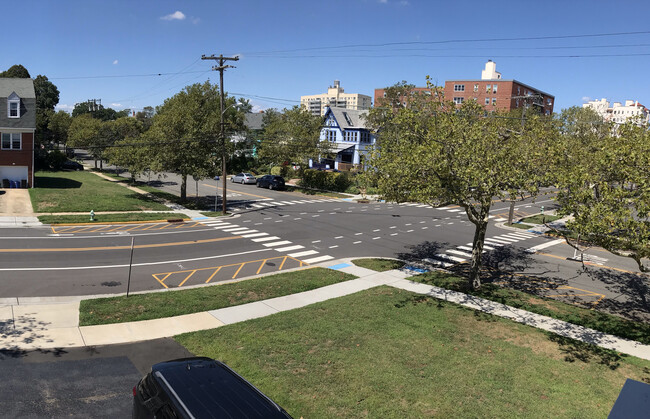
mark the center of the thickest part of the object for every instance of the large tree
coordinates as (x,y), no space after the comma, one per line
(58,125)
(185,134)
(84,132)
(16,71)
(605,184)
(431,151)
(292,136)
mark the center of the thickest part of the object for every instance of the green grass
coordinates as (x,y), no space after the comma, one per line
(388,353)
(166,304)
(593,319)
(83,191)
(540,219)
(379,265)
(110,218)
(521,226)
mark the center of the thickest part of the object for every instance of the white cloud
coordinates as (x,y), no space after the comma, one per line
(115,62)
(64,107)
(177,15)
(586,98)
(404,3)
(196,20)
(383,1)
(116,105)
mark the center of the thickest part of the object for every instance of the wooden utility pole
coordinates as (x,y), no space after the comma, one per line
(220,68)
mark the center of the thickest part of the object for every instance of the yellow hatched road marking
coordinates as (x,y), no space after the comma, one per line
(261,266)
(187,277)
(282,264)
(213,274)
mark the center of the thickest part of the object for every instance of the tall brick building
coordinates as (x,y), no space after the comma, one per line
(495,93)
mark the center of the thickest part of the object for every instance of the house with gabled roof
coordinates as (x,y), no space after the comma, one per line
(17,127)
(346,131)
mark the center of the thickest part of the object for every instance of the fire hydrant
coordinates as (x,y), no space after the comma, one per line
(92,215)
(542,209)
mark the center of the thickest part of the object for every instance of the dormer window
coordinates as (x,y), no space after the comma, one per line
(13,106)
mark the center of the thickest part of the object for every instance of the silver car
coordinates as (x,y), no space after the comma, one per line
(244,178)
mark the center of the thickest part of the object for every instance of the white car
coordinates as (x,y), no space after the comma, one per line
(244,178)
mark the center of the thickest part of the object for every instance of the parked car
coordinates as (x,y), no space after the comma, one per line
(271,182)
(72,165)
(200,388)
(244,178)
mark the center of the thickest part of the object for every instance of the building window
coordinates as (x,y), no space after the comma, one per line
(13,108)
(494,88)
(11,141)
(331,135)
(494,101)
(476,87)
(459,87)
(517,103)
(518,90)
(488,88)
(487,100)
(549,102)
(459,100)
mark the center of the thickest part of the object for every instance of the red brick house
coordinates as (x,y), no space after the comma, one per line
(17,126)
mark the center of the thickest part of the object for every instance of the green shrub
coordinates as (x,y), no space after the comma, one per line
(276,170)
(329,181)
(55,159)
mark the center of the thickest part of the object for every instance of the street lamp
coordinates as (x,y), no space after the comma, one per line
(223,159)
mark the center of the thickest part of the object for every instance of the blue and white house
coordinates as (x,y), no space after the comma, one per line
(346,130)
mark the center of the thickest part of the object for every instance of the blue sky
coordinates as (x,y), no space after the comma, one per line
(108,49)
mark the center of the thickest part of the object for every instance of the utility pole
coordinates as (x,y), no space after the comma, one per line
(220,68)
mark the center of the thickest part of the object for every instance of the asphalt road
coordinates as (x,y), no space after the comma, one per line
(90,382)
(306,229)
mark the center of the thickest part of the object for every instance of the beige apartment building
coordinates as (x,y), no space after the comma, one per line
(335,98)
(619,113)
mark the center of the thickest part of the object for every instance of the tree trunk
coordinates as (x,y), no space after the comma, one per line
(183,188)
(477,253)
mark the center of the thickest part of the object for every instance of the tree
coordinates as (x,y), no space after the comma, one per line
(605,184)
(185,134)
(16,72)
(432,151)
(58,125)
(145,116)
(84,132)
(128,149)
(292,136)
(98,111)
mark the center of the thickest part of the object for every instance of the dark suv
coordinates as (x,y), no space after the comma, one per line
(271,182)
(200,388)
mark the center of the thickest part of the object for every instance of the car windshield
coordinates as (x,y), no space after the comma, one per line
(248,174)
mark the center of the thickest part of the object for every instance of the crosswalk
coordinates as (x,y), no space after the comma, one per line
(267,240)
(453,209)
(271,203)
(461,254)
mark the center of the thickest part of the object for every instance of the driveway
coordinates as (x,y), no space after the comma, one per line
(15,202)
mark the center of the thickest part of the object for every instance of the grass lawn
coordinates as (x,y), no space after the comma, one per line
(304,191)
(82,191)
(166,304)
(109,218)
(379,265)
(607,323)
(389,353)
(540,219)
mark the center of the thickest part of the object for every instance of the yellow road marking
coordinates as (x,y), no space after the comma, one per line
(213,274)
(237,273)
(282,264)
(140,246)
(261,266)
(186,278)
(243,193)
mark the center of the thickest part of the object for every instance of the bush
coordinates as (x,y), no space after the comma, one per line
(276,170)
(329,181)
(55,159)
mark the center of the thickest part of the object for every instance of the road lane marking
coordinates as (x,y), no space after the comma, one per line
(139,246)
(318,259)
(265,239)
(305,253)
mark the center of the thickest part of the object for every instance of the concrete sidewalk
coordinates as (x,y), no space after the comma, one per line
(54,322)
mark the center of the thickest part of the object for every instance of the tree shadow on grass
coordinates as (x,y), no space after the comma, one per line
(575,350)
(46,182)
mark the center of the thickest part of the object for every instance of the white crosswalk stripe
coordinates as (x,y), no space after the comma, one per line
(301,254)
(459,253)
(289,248)
(265,239)
(248,236)
(318,259)
(278,243)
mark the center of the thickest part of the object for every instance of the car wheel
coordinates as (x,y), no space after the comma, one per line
(270,186)
(258,185)
(242,181)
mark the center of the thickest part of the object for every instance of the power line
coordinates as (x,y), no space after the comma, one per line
(123,75)
(451,41)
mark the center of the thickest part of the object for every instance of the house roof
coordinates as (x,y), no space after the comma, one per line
(349,118)
(253,121)
(24,88)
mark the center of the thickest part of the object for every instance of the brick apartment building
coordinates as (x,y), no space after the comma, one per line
(495,93)
(380,95)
